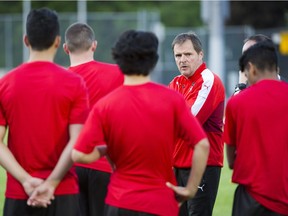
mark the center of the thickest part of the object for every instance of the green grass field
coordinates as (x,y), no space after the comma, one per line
(223,205)
(2,188)
(224,201)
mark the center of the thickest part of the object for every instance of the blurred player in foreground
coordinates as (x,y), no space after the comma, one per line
(256,136)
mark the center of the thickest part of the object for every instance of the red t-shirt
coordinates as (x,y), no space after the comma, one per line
(205,95)
(38,101)
(140,125)
(101,78)
(256,124)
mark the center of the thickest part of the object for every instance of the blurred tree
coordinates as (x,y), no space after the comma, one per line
(10,7)
(59,6)
(258,14)
(181,13)
(16,6)
(173,13)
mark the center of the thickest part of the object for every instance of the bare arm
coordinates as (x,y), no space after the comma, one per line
(46,190)
(199,163)
(231,155)
(8,161)
(65,162)
(81,157)
(242,77)
(11,165)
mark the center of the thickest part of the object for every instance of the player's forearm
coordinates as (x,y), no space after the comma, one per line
(65,161)
(10,164)
(81,157)
(199,163)
(64,164)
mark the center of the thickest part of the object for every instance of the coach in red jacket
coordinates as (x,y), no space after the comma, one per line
(205,95)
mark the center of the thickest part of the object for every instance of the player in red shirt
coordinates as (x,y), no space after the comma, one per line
(139,122)
(256,135)
(204,93)
(101,78)
(44,107)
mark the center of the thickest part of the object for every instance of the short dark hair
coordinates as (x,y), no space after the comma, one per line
(258,38)
(42,27)
(79,36)
(181,38)
(262,54)
(136,52)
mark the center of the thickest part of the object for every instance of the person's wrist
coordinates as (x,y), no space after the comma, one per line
(52,182)
(24,178)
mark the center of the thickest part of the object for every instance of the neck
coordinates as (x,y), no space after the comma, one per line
(136,79)
(45,55)
(267,76)
(270,76)
(77,59)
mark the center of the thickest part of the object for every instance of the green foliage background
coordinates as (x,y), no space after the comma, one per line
(173,13)
(258,14)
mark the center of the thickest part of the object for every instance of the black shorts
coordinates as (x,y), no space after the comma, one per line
(114,211)
(93,190)
(60,206)
(245,205)
(203,202)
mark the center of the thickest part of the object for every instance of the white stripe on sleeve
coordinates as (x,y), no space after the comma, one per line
(208,80)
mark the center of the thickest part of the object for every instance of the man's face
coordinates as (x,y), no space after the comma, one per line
(186,58)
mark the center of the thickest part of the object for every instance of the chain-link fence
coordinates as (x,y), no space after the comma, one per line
(108,27)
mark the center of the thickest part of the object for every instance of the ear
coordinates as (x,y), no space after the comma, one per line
(252,69)
(26,41)
(65,48)
(201,54)
(251,73)
(57,42)
(94,46)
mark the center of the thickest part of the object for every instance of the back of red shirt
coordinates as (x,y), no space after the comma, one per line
(256,124)
(101,78)
(140,125)
(38,102)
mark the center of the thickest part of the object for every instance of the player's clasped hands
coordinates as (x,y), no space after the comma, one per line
(40,192)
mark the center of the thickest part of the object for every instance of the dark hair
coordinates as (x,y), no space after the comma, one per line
(258,38)
(136,52)
(42,27)
(79,36)
(262,54)
(181,38)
